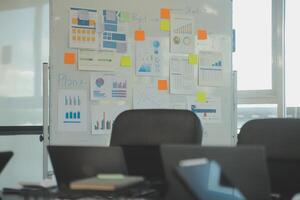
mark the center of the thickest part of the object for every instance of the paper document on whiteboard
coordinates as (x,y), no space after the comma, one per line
(150,60)
(182,75)
(103,117)
(109,86)
(149,97)
(72,110)
(182,32)
(208,111)
(97,60)
(82,28)
(210,69)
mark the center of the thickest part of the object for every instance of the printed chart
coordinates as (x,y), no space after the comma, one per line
(83,33)
(72,110)
(103,117)
(108,86)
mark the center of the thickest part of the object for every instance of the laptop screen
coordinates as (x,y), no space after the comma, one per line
(73,163)
(4,158)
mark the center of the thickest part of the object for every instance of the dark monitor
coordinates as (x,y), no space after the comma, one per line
(73,162)
(245,166)
(4,158)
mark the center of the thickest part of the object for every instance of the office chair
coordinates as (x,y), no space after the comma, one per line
(281,138)
(155,127)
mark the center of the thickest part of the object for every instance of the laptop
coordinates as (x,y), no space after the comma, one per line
(244,166)
(146,161)
(72,163)
(4,158)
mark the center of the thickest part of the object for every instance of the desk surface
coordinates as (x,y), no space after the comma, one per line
(49,195)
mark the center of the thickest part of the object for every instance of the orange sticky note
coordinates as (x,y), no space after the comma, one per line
(69,58)
(202,34)
(162,84)
(139,35)
(165,13)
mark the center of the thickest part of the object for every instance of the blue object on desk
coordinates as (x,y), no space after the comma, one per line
(204,181)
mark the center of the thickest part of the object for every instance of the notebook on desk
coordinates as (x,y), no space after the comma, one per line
(4,158)
(106,183)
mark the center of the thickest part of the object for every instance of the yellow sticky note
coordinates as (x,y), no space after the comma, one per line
(201,97)
(126,61)
(165,25)
(193,59)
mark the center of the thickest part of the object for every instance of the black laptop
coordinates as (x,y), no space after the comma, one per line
(72,163)
(244,166)
(4,158)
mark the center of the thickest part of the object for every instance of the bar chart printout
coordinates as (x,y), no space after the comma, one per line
(103,117)
(102,123)
(72,110)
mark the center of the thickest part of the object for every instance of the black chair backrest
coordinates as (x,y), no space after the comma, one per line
(155,127)
(281,138)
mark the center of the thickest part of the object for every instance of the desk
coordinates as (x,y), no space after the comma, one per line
(54,194)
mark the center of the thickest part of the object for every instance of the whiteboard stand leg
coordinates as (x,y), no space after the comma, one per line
(45,118)
(235,111)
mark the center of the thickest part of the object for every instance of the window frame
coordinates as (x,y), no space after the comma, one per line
(21,130)
(276,95)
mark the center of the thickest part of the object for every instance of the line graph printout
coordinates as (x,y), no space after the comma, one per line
(182,34)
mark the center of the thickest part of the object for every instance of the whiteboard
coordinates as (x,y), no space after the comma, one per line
(70,84)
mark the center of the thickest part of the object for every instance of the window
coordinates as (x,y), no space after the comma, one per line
(22,51)
(253,56)
(24,44)
(247,112)
(258,59)
(292,67)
